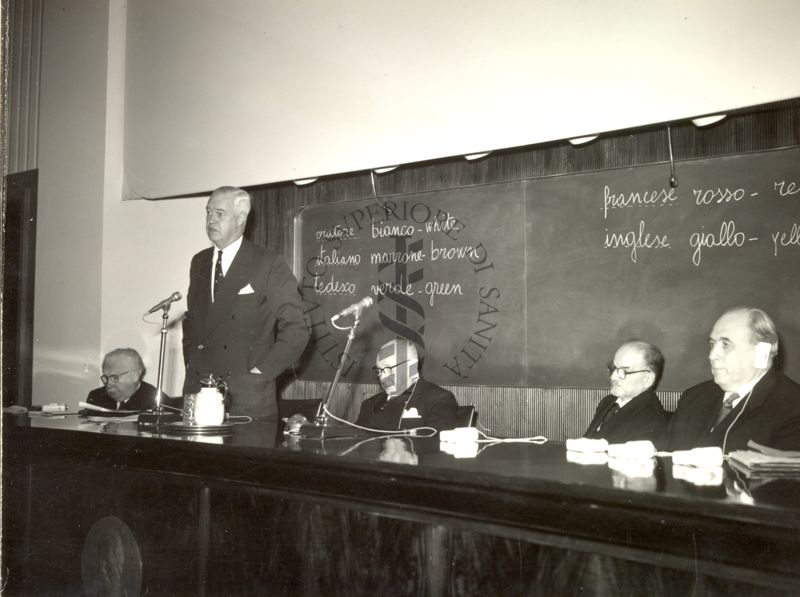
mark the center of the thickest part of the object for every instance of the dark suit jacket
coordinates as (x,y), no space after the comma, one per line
(642,418)
(143,399)
(436,406)
(771,416)
(243,329)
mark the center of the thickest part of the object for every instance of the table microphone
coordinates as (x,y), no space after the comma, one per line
(175,296)
(355,308)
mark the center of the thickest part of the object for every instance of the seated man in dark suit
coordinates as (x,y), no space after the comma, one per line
(407,400)
(632,410)
(123,388)
(747,399)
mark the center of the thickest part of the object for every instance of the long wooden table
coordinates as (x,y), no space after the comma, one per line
(89,505)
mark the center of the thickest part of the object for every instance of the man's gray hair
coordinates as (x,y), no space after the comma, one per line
(652,357)
(761,326)
(129,353)
(241,198)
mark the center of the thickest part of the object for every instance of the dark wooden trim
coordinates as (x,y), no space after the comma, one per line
(19,273)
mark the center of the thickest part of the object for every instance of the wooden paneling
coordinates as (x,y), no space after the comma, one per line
(555,413)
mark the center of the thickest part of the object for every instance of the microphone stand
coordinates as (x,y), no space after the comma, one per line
(322,425)
(161,351)
(152,419)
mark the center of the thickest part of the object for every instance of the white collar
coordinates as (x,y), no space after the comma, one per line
(620,402)
(228,255)
(745,389)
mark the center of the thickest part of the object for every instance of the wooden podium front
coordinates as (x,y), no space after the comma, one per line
(100,508)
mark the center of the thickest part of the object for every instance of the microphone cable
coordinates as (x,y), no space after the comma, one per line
(736,418)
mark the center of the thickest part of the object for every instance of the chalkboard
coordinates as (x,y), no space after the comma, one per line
(535,283)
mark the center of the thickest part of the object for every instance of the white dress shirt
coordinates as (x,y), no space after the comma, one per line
(228,254)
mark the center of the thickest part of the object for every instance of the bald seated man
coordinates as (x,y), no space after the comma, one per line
(123,388)
(632,411)
(747,399)
(407,400)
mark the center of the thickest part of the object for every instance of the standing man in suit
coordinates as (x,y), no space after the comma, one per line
(244,320)
(747,399)
(632,411)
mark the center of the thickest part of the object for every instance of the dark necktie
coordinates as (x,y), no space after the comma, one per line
(609,413)
(726,408)
(218,272)
(380,405)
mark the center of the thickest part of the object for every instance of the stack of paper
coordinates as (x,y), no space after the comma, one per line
(94,410)
(761,461)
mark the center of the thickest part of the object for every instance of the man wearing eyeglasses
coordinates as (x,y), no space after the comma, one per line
(407,400)
(123,388)
(632,411)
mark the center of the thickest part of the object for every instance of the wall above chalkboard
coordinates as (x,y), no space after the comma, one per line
(535,283)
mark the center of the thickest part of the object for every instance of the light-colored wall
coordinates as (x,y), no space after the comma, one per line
(100,261)
(67,325)
(146,245)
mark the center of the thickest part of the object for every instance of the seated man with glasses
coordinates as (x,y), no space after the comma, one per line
(123,388)
(632,411)
(407,400)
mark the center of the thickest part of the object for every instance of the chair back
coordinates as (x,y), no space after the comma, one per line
(466,416)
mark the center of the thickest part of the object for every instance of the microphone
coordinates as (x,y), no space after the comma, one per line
(175,296)
(355,308)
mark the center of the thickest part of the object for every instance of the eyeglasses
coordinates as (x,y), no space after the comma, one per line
(382,370)
(114,378)
(622,371)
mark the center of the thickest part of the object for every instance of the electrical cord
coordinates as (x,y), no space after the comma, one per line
(736,418)
(249,419)
(536,439)
(383,433)
(429,431)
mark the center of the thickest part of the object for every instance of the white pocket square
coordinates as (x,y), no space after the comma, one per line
(247,290)
(411,413)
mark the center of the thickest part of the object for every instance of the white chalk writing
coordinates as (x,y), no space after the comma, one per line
(784,239)
(434,289)
(337,232)
(388,257)
(333,286)
(655,197)
(326,259)
(728,237)
(389,288)
(443,222)
(388,231)
(787,188)
(635,240)
(718,195)
(450,253)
